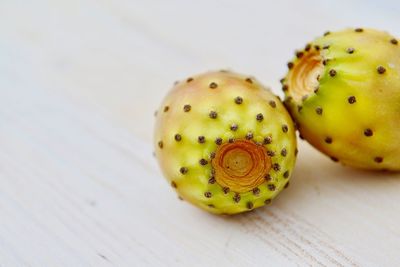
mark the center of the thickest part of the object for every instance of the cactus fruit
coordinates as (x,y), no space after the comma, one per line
(224,142)
(343,92)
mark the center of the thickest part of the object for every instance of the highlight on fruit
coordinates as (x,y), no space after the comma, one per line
(224,142)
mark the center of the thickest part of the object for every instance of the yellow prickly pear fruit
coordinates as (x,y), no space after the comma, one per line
(343,91)
(224,142)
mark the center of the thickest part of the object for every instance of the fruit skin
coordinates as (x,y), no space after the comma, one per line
(204,116)
(352,112)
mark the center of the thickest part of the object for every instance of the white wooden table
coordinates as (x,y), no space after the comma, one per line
(79,81)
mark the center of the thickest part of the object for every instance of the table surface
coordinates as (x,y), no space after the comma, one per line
(79,83)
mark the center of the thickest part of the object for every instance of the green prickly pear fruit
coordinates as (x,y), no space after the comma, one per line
(224,142)
(343,91)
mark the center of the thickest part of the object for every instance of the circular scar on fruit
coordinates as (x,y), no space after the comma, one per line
(241,166)
(304,78)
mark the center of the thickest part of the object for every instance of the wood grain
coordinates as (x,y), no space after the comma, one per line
(79,81)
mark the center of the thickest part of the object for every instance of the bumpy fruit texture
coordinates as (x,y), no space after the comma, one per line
(224,142)
(343,91)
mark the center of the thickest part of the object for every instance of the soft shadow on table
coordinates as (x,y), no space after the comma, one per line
(316,173)
(324,200)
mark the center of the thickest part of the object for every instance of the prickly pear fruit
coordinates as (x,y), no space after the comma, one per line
(343,91)
(224,142)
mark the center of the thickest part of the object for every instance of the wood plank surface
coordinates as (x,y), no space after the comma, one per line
(79,81)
